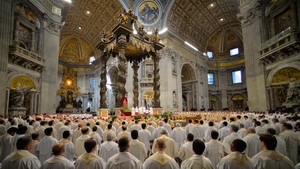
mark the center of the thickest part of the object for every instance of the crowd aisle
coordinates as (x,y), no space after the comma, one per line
(211,140)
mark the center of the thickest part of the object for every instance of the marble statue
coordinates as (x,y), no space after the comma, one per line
(293,94)
(16,98)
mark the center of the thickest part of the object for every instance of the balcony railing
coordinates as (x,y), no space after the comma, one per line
(277,38)
(28,55)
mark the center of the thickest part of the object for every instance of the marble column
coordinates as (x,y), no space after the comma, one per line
(103,87)
(122,69)
(50,52)
(156,81)
(255,73)
(5,34)
(135,67)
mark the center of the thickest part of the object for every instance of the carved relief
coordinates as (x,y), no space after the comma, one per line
(250,14)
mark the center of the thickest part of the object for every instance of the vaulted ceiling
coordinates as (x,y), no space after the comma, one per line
(196,21)
(89,18)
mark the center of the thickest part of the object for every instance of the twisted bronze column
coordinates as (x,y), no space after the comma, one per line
(135,67)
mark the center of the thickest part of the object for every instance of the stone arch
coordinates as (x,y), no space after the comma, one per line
(189,85)
(23,79)
(278,83)
(294,66)
(23,94)
(237,102)
(188,73)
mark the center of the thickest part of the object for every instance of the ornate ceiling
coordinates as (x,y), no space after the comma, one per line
(196,21)
(103,16)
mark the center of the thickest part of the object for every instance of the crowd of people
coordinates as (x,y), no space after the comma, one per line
(241,140)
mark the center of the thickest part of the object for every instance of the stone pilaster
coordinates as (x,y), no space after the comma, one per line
(223,85)
(250,18)
(5,34)
(50,51)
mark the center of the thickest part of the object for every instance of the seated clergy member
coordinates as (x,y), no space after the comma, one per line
(22,158)
(268,157)
(236,159)
(197,161)
(160,159)
(58,161)
(89,159)
(123,159)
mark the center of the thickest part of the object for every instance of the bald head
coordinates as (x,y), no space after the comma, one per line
(251,130)
(160,144)
(58,149)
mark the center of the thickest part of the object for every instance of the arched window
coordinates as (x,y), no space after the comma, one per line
(92,59)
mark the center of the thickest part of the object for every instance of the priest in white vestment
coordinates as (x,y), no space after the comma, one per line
(58,161)
(62,129)
(123,159)
(136,126)
(69,146)
(229,139)
(145,136)
(207,135)
(124,133)
(224,131)
(137,148)
(79,143)
(188,126)
(281,145)
(90,160)
(22,158)
(44,148)
(197,161)
(160,160)
(158,130)
(35,142)
(236,159)
(108,148)
(269,158)
(5,143)
(20,133)
(111,131)
(186,150)
(96,137)
(253,143)
(171,145)
(198,130)
(292,140)
(214,150)
(178,134)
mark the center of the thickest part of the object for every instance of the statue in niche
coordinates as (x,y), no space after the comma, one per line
(173,65)
(175,103)
(293,94)
(16,98)
(63,102)
(70,98)
(79,104)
